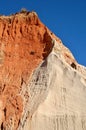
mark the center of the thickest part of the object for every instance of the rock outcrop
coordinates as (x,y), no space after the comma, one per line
(42,87)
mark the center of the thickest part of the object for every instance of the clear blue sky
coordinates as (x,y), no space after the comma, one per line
(66,18)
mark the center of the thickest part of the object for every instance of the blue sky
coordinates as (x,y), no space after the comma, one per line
(65,18)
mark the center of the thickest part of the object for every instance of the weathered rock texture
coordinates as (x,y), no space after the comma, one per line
(42,87)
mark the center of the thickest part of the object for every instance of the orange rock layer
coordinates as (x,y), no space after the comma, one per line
(24,43)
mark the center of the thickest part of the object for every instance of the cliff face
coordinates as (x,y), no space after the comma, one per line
(41,84)
(23,45)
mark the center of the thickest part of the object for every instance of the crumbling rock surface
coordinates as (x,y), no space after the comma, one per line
(23,45)
(42,87)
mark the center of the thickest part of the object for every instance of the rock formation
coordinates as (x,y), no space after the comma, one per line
(42,87)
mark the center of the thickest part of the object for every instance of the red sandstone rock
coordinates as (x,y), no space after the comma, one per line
(23,45)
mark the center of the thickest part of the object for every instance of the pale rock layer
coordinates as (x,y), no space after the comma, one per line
(64,107)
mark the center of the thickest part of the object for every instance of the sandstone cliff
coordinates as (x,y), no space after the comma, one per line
(42,87)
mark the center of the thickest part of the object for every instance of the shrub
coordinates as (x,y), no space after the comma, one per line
(23,10)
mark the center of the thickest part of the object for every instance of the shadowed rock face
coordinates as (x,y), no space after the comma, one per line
(40,81)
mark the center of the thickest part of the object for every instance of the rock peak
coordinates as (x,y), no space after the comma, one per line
(27,55)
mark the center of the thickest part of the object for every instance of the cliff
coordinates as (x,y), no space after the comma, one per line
(42,87)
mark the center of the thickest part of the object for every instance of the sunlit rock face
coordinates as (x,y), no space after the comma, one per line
(42,87)
(64,105)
